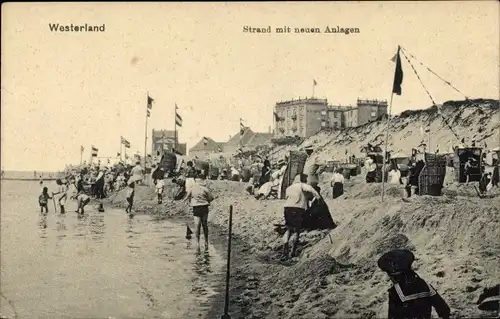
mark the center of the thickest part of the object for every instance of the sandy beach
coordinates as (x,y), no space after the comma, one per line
(454,238)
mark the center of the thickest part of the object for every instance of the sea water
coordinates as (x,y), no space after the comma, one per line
(103,265)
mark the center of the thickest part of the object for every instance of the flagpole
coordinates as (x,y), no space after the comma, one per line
(81,155)
(146,129)
(175,128)
(121,149)
(387,133)
(313,90)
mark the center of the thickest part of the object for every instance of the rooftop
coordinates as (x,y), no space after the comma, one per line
(302,100)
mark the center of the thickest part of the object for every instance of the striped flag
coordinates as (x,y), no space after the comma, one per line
(205,140)
(178,118)
(148,113)
(242,127)
(125,142)
(150,102)
(81,149)
(95,150)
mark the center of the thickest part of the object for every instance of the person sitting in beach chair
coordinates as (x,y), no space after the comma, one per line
(271,188)
(410,296)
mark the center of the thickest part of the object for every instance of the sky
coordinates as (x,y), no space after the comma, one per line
(63,90)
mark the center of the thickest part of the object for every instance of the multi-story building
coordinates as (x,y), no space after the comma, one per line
(370,110)
(300,117)
(305,117)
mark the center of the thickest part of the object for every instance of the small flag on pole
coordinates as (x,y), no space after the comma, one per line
(205,140)
(242,127)
(81,149)
(178,118)
(148,113)
(398,74)
(95,150)
(314,82)
(150,102)
(118,154)
(125,142)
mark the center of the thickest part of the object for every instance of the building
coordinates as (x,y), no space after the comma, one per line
(300,117)
(370,110)
(306,117)
(165,140)
(205,147)
(248,140)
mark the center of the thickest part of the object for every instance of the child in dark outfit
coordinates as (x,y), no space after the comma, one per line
(43,200)
(410,296)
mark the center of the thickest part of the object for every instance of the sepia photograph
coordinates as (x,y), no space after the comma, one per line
(250,160)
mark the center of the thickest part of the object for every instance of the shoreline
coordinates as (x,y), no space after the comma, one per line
(219,240)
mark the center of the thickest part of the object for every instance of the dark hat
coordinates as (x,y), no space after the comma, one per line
(490,304)
(396,261)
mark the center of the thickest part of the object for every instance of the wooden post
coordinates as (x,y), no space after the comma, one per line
(228,271)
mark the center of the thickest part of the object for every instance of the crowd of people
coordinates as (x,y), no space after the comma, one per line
(302,199)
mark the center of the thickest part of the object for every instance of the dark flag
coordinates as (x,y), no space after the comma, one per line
(150,102)
(276,117)
(118,154)
(94,151)
(398,74)
(205,140)
(148,113)
(462,140)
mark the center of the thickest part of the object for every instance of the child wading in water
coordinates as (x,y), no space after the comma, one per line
(82,199)
(43,200)
(200,198)
(63,190)
(130,198)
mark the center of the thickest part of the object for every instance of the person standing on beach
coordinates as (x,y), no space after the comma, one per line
(312,169)
(62,193)
(99,185)
(189,174)
(337,184)
(467,169)
(159,182)
(410,296)
(137,172)
(297,202)
(130,197)
(200,198)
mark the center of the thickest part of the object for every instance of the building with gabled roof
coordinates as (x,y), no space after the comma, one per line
(205,147)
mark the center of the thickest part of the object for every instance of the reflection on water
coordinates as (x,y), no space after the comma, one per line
(57,266)
(42,224)
(96,226)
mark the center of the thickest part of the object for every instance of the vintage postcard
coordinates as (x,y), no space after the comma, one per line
(250,160)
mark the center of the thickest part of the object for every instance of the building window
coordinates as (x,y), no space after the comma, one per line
(323,124)
(374,114)
(323,112)
(335,115)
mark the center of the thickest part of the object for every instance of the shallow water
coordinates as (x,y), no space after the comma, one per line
(99,266)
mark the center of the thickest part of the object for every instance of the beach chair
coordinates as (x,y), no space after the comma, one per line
(274,192)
